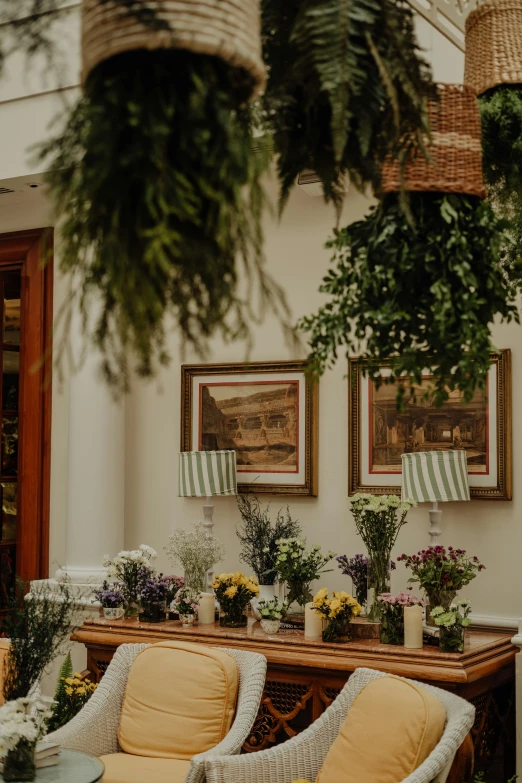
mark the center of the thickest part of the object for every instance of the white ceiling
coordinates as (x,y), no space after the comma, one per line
(27,207)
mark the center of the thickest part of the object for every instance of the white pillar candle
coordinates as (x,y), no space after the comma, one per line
(206,609)
(313,623)
(413,627)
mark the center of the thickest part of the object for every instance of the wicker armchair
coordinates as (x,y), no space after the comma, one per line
(95,729)
(302,756)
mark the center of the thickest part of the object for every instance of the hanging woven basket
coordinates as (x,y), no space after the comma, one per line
(494,45)
(454,163)
(229,29)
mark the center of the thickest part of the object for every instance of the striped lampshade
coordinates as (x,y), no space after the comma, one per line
(206,473)
(435,476)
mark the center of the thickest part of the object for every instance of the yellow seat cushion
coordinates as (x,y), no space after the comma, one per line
(124,768)
(390,729)
(4,649)
(179,700)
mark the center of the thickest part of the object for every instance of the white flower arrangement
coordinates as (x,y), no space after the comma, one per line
(142,556)
(272,609)
(23,720)
(194,550)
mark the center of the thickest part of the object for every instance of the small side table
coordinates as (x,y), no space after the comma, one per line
(74,767)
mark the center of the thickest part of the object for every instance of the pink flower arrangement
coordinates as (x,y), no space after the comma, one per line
(403,599)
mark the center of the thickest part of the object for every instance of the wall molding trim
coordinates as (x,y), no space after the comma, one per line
(494,622)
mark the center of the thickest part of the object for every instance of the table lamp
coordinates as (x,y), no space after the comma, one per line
(436,477)
(205,474)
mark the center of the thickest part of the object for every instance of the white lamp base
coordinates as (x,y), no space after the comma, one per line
(208,525)
(435,530)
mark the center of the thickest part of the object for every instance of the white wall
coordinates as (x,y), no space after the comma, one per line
(295,253)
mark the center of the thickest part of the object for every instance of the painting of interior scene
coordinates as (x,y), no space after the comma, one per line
(258,420)
(423,427)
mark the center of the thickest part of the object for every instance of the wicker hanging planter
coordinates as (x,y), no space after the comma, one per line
(494,45)
(229,29)
(454,164)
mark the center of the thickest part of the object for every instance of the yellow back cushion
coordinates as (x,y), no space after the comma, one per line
(4,649)
(390,729)
(179,701)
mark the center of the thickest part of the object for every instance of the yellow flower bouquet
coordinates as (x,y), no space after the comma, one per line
(234,591)
(338,610)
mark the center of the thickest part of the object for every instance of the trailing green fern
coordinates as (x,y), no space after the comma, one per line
(346,86)
(66,670)
(160,195)
(417,296)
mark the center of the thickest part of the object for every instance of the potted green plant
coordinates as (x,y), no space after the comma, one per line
(71,695)
(258,537)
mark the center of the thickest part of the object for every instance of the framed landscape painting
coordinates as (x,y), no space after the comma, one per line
(265,411)
(379,434)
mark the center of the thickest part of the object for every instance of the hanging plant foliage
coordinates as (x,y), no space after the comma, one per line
(157,184)
(346,84)
(493,68)
(419,290)
(418,297)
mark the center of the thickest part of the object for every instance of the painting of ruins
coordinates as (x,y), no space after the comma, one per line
(423,427)
(259,420)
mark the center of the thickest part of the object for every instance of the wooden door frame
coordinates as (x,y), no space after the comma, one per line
(28,250)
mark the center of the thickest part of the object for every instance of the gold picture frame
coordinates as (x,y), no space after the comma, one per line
(378,434)
(266,411)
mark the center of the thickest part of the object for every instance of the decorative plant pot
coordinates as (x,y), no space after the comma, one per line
(233,619)
(187,620)
(454,162)
(337,631)
(451,639)
(20,763)
(494,45)
(442,598)
(270,626)
(153,612)
(266,593)
(113,612)
(227,29)
(379,581)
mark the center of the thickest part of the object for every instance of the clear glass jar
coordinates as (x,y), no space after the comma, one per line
(451,639)
(379,581)
(442,598)
(20,764)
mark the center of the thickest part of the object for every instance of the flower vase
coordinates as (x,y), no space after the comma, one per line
(442,598)
(113,612)
(392,627)
(298,594)
(131,610)
(337,631)
(362,598)
(266,593)
(379,581)
(19,763)
(187,620)
(233,618)
(270,627)
(196,580)
(451,639)
(152,612)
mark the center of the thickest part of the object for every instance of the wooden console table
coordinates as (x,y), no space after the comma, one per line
(304,676)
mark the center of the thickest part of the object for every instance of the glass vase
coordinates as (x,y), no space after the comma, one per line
(392,626)
(442,598)
(195,580)
(298,594)
(379,581)
(19,764)
(131,610)
(361,594)
(233,617)
(152,611)
(337,630)
(451,639)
